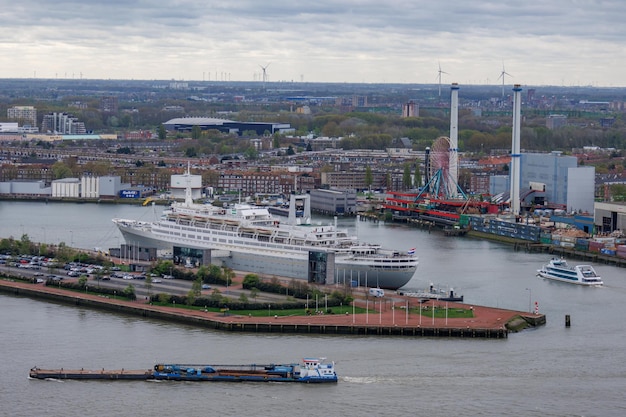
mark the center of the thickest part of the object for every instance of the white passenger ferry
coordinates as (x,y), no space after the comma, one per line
(248,238)
(558,269)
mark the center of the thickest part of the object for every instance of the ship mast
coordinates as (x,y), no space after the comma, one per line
(188,198)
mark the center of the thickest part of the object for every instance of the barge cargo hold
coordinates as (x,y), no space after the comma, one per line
(311,370)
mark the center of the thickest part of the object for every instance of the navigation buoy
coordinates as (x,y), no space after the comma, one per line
(567,320)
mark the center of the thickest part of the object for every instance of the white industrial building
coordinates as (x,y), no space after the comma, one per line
(85,187)
(66,187)
(565,182)
(580,189)
(90,187)
(25,188)
(609,217)
(110,186)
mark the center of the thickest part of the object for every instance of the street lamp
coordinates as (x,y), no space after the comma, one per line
(530,296)
(269,311)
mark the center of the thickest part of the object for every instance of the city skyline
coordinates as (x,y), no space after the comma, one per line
(562,43)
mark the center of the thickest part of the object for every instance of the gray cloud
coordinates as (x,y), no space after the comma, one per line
(540,42)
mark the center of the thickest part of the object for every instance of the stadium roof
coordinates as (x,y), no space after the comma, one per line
(200,121)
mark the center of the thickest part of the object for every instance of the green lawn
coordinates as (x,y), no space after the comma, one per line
(440,312)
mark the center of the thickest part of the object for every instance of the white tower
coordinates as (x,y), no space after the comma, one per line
(515,150)
(453,175)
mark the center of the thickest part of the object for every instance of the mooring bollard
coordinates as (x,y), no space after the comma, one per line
(567,320)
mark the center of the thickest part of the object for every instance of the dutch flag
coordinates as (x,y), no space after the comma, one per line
(411,251)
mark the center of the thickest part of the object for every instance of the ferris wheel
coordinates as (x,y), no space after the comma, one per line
(440,157)
(440,184)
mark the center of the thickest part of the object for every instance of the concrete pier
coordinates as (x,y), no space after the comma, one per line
(487,322)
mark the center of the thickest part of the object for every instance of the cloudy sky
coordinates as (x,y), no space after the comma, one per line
(538,42)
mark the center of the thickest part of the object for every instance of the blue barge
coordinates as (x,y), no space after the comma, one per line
(310,370)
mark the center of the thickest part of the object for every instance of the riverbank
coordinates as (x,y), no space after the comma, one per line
(553,250)
(486,322)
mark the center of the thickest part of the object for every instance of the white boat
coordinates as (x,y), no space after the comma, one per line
(248,238)
(558,269)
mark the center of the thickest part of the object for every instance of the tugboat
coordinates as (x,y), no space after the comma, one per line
(311,370)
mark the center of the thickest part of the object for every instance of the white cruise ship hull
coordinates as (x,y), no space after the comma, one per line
(251,256)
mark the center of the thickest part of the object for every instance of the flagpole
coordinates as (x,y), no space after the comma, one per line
(406,321)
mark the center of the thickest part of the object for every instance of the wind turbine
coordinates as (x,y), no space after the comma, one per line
(502,74)
(264,68)
(439,77)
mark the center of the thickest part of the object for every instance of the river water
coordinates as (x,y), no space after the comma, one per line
(548,371)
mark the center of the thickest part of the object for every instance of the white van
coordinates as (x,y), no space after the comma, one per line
(377,292)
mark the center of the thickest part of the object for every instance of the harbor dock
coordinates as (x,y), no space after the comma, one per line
(387,320)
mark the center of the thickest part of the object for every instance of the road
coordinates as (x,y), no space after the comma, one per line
(168,286)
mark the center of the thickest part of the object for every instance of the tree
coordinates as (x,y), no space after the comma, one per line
(290,150)
(196,287)
(191,297)
(129,292)
(251,281)
(417,178)
(203,273)
(61,170)
(82,281)
(162,132)
(216,296)
(196,132)
(618,192)
(276,141)
(228,275)
(406,177)
(98,272)
(148,284)
(369,178)
(251,153)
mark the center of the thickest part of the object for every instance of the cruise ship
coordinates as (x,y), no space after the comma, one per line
(248,238)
